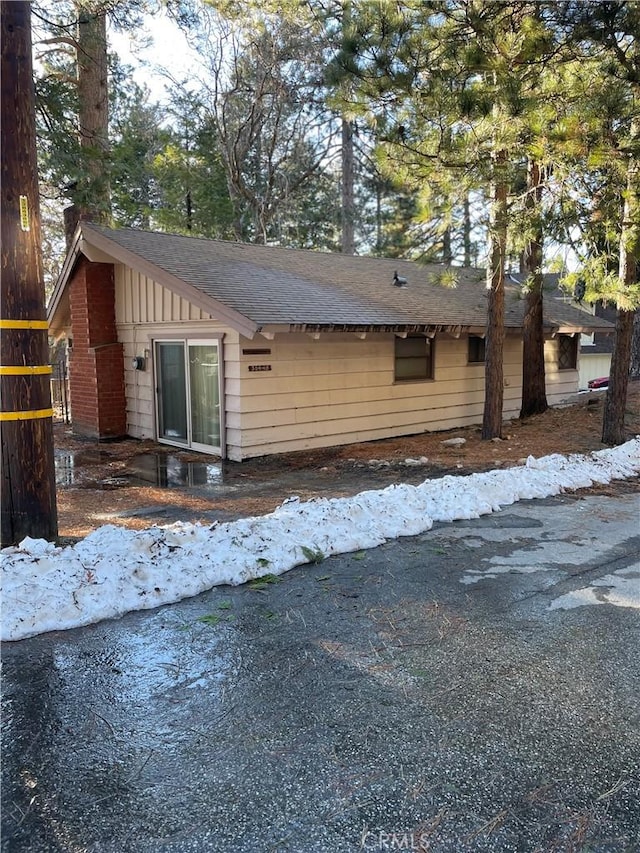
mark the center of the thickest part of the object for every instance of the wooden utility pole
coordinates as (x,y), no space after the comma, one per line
(26,426)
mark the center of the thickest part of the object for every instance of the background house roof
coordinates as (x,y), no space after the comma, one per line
(271,286)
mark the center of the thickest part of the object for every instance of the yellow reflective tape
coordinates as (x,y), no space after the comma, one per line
(25,371)
(24,324)
(26,416)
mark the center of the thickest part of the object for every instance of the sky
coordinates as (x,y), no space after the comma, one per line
(115,570)
(168,50)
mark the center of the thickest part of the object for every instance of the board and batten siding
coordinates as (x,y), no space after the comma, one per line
(146,311)
(142,300)
(340,389)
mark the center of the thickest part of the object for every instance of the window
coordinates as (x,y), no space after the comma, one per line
(567,352)
(476,349)
(414,358)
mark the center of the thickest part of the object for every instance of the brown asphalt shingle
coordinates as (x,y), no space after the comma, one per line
(272,285)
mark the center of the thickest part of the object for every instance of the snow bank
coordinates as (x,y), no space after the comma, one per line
(114,570)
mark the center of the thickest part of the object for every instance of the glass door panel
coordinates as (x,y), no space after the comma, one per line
(172,398)
(205,394)
(188,393)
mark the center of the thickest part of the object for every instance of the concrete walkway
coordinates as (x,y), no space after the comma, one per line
(475,688)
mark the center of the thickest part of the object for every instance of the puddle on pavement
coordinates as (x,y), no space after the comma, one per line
(70,464)
(155,469)
(167,471)
(65,468)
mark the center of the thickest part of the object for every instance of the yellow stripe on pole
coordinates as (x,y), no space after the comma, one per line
(24,324)
(34,414)
(25,371)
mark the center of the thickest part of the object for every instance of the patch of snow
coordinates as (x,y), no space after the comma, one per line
(115,570)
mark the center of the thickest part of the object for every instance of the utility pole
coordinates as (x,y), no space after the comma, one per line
(26,426)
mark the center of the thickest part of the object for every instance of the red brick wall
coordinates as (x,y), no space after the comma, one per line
(96,365)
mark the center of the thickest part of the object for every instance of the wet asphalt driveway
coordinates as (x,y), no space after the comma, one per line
(424,695)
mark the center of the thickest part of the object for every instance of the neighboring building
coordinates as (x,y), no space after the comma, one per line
(243,350)
(595,347)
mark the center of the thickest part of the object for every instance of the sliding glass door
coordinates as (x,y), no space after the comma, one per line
(204,388)
(188,393)
(171,390)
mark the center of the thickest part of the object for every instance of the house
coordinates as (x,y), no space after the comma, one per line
(596,348)
(244,350)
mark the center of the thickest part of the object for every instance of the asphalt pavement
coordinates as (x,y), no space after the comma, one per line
(474,688)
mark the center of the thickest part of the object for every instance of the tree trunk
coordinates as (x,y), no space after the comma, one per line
(348,209)
(26,429)
(613,428)
(466,226)
(93,195)
(634,370)
(534,392)
(494,342)
(189,211)
(378,218)
(447,256)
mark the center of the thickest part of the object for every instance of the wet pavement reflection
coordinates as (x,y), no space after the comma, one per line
(168,471)
(162,470)
(71,465)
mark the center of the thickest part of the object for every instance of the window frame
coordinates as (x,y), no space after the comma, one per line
(570,356)
(481,355)
(403,358)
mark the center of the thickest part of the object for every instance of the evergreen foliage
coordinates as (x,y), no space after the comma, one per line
(459,131)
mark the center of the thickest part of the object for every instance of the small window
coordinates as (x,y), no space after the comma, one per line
(476,349)
(567,352)
(414,358)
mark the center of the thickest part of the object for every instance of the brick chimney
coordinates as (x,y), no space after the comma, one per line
(96,364)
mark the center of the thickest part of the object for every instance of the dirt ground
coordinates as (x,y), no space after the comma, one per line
(99,482)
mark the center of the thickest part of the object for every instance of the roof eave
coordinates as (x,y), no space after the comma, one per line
(242,324)
(564,329)
(411,328)
(60,286)
(100,248)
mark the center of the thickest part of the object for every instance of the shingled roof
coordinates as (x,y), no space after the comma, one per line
(257,287)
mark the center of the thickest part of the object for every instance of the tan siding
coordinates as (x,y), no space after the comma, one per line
(340,389)
(143,307)
(138,340)
(335,390)
(561,384)
(150,295)
(593,366)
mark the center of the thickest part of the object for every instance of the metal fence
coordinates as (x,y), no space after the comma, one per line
(60,391)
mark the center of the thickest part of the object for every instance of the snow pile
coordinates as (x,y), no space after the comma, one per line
(114,570)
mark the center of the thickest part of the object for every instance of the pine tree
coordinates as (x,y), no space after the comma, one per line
(607,36)
(453,83)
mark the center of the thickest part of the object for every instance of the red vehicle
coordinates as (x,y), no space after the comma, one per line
(603,382)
